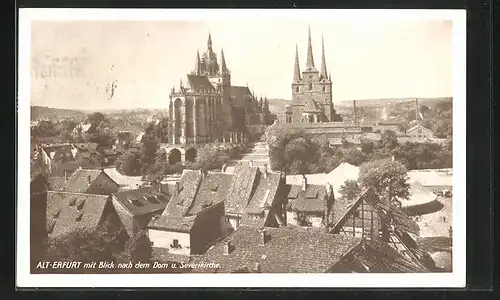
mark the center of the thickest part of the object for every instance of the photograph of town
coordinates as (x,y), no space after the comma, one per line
(241,147)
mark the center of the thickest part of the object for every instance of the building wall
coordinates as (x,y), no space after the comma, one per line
(103,185)
(207,228)
(421,132)
(165,239)
(235,222)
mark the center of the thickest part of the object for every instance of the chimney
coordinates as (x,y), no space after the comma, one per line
(263,236)
(416,110)
(227,248)
(304,182)
(328,196)
(265,171)
(354,112)
(256,268)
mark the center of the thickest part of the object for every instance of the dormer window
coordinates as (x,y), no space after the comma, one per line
(56,214)
(80,204)
(79,217)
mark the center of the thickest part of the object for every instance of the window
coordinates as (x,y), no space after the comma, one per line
(175,244)
(296,89)
(310,86)
(324,89)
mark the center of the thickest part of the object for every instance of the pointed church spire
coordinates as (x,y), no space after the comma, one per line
(310,58)
(330,75)
(323,60)
(197,68)
(296,72)
(209,43)
(223,62)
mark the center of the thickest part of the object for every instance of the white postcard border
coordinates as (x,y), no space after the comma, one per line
(434,280)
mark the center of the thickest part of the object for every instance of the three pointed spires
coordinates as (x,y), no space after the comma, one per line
(310,60)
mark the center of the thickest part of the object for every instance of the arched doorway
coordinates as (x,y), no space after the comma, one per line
(191,154)
(178,120)
(174,156)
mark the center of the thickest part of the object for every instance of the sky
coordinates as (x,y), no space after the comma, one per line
(367,59)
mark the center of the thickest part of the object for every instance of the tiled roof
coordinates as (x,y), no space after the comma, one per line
(56,183)
(213,189)
(162,254)
(263,197)
(81,180)
(241,189)
(70,211)
(239,93)
(143,200)
(176,215)
(310,200)
(311,106)
(286,251)
(197,82)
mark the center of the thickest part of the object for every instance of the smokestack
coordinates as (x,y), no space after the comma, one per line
(304,182)
(227,248)
(416,109)
(265,171)
(354,112)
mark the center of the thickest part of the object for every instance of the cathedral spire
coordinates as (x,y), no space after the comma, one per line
(209,43)
(197,68)
(310,58)
(223,62)
(324,74)
(296,72)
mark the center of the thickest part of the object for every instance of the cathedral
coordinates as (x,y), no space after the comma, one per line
(311,92)
(207,108)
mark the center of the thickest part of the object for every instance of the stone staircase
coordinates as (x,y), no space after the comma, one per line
(258,155)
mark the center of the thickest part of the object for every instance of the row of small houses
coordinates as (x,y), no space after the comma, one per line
(248,221)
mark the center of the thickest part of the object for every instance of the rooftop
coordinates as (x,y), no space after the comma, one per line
(71,211)
(286,250)
(81,180)
(142,201)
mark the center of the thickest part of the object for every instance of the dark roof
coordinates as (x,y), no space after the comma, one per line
(264,197)
(81,180)
(238,93)
(311,106)
(241,189)
(286,251)
(70,211)
(56,183)
(213,189)
(310,200)
(142,201)
(195,195)
(197,82)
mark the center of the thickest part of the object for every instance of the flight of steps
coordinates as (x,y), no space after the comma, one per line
(259,155)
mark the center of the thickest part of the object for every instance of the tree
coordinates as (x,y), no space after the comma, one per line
(389,139)
(297,154)
(137,249)
(403,127)
(97,119)
(350,189)
(388,179)
(129,163)
(353,156)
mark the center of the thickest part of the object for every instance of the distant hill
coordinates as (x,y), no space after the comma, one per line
(277,106)
(41,112)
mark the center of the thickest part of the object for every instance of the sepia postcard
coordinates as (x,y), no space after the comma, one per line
(298,148)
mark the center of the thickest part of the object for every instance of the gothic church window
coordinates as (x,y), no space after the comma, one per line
(296,89)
